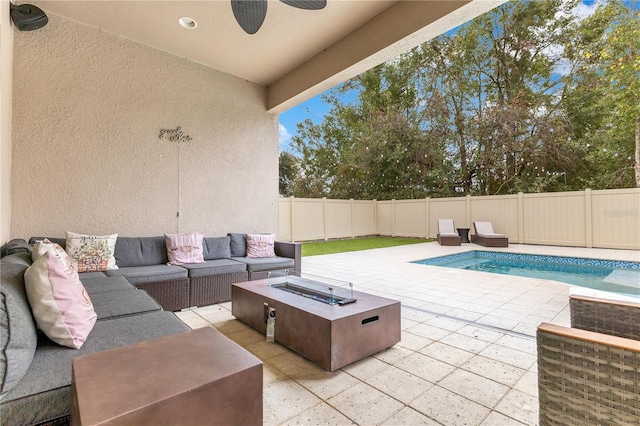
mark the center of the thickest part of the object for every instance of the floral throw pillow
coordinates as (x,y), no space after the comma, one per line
(59,302)
(184,248)
(261,245)
(92,253)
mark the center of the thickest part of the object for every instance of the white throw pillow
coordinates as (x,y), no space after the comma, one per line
(261,245)
(40,248)
(183,249)
(92,253)
(59,302)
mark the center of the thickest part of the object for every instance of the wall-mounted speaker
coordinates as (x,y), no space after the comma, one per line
(27,17)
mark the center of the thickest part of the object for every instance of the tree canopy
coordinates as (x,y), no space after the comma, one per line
(529,97)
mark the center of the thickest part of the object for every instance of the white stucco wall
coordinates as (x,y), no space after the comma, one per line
(88,108)
(6,61)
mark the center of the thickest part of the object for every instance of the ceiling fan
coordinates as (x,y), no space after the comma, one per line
(250,14)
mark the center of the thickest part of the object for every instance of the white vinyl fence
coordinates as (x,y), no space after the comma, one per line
(606,219)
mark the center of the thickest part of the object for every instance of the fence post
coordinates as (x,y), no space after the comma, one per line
(291,201)
(324,217)
(468,206)
(393,217)
(426,219)
(520,218)
(353,235)
(375,215)
(587,218)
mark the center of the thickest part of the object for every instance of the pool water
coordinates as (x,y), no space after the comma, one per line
(608,275)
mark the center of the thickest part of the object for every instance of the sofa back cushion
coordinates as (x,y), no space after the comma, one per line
(238,244)
(140,251)
(61,241)
(217,248)
(18,337)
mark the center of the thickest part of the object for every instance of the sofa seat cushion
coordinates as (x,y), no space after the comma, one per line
(18,337)
(140,251)
(149,274)
(266,263)
(98,285)
(45,391)
(123,303)
(96,274)
(215,267)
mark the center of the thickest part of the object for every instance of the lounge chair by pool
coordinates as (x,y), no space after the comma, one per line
(447,235)
(487,237)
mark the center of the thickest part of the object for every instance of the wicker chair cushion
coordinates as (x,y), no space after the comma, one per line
(486,230)
(446,227)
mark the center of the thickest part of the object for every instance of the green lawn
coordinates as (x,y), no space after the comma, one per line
(313,248)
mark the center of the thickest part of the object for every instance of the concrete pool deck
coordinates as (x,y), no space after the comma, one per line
(468,350)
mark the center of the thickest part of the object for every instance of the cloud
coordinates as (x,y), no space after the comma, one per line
(284,138)
(582,11)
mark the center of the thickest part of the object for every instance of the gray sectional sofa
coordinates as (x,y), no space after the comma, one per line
(143,262)
(35,373)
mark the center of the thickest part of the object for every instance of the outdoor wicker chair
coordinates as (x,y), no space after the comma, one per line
(589,374)
(487,237)
(447,235)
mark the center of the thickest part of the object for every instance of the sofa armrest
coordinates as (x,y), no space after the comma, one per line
(292,251)
(609,316)
(17,245)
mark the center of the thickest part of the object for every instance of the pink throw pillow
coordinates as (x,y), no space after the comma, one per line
(60,304)
(184,248)
(261,245)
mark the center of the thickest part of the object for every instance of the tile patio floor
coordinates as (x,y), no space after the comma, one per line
(467,355)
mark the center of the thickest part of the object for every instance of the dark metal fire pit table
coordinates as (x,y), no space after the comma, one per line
(330,335)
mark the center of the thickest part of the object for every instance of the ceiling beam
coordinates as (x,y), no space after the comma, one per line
(399,28)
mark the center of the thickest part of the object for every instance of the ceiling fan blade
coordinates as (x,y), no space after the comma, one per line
(250,14)
(306,4)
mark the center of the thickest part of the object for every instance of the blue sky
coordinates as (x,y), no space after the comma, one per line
(315,108)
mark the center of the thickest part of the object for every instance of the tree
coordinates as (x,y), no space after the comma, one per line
(487,110)
(289,173)
(602,95)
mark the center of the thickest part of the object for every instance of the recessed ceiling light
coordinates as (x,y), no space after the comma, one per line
(187,23)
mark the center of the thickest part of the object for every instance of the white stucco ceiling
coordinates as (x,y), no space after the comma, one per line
(296,54)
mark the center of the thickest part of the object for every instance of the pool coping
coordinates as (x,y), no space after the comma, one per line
(622,264)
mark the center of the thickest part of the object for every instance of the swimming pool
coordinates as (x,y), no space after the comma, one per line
(608,275)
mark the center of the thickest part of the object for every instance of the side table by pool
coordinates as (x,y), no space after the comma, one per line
(464,234)
(195,377)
